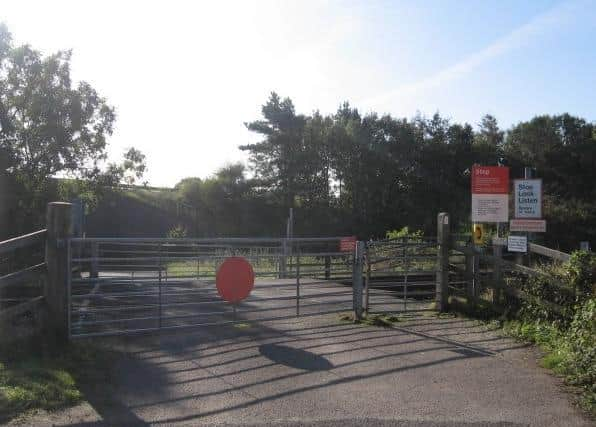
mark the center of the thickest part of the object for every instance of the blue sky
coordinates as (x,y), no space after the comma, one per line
(184,76)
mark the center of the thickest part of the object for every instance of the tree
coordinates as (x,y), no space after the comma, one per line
(276,160)
(49,125)
(490,133)
(134,166)
(98,182)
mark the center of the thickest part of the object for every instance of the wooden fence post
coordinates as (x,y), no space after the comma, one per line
(94,270)
(476,274)
(327,267)
(59,228)
(442,260)
(357,280)
(497,277)
(470,277)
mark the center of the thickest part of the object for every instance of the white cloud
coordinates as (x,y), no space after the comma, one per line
(516,39)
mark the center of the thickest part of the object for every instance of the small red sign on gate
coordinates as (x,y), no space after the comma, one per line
(347,244)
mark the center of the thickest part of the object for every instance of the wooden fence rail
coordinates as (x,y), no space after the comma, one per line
(16,282)
(470,271)
(22,241)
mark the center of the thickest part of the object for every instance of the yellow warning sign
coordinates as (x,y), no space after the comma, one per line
(478,233)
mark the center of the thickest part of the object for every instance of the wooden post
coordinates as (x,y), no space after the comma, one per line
(476,274)
(59,228)
(442,260)
(94,271)
(497,253)
(469,274)
(357,285)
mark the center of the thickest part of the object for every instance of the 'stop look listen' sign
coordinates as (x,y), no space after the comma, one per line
(528,198)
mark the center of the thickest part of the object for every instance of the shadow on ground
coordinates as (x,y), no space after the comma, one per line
(269,371)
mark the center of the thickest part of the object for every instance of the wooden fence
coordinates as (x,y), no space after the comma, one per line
(474,270)
(22,290)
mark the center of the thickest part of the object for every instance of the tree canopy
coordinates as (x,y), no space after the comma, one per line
(348,173)
(53,127)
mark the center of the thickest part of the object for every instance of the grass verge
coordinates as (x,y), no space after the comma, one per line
(29,382)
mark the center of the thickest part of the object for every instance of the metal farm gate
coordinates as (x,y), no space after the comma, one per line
(131,285)
(128,285)
(400,275)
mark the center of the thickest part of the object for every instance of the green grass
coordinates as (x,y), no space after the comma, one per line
(29,382)
(382,320)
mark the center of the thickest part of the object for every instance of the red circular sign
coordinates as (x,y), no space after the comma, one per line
(235,279)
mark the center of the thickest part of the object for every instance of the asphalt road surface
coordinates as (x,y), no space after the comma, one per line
(317,371)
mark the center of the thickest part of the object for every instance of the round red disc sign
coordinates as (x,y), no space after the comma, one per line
(235,279)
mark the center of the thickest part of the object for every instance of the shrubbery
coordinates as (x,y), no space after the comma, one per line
(561,318)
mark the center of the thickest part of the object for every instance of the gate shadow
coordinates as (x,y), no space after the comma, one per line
(148,375)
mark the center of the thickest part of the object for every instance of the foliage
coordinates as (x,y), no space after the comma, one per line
(570,352)
(555,293)
(51,126)
(98,183)
(581,339)
(582,273)
(177,232)
(558,313)
(403,232)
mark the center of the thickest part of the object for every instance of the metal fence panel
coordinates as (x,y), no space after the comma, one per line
(400,275)
(123,286)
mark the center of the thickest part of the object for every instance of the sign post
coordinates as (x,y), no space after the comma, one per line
(527,194)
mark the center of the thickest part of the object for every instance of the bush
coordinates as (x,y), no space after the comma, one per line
(404,232)
(569,352)
(581,338)
(560,317)
(557,292)
(177,232)
(581,270)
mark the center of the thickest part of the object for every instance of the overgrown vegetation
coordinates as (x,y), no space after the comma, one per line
(30,382)
(558,313)
(569,351)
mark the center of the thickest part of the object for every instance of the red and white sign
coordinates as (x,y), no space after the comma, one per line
(347,244)
(529,225)
(235,279)
(490,194)
(490,180)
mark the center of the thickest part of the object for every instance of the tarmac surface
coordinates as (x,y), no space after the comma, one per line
(431,371)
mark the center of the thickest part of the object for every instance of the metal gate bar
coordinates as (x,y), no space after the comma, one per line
(400,275)
(122,286)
